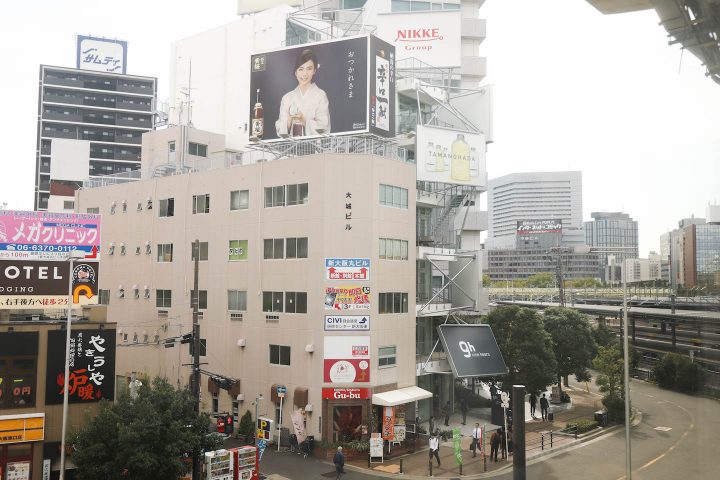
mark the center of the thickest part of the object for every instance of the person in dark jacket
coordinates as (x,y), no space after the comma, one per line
(464,410)
(339,461)
(495,439)
(544,406)
(446,412)
(533,404)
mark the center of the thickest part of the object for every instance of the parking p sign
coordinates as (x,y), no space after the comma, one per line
(264,428)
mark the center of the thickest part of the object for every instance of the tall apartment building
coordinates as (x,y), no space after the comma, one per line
(672,250)
(536,196)
(617,233)
(643,269)
(90,124)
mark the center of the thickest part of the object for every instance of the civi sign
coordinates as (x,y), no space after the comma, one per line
(346,393)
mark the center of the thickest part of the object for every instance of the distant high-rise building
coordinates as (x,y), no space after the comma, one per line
(534,197)
(672,250)
(617,233)
(701,253)
(90,124)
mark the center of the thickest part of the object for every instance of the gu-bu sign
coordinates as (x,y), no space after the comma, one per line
(92,366)
(431,37)
(346,393)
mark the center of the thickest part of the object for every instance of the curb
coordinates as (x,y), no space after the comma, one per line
(636,419)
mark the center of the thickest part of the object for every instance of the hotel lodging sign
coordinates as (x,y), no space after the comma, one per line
(92,366)
(26,235)
(44,284)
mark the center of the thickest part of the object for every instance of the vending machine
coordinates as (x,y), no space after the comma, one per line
(219,465)
(246,462)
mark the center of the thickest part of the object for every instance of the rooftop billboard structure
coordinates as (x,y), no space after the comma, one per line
(336,87)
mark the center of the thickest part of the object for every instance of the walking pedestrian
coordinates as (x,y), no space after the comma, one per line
(533,404)
(544,406)
(464,409)
(446,412)
(503,443)
(339,461)
(435,448)
(494,444)
(476,440)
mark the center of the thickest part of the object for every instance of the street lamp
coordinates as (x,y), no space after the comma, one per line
(256,402)
(72,256)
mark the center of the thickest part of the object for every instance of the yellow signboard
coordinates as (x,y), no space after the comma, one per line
(264,428)
(22,428)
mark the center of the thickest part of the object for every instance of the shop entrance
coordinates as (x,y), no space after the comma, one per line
(16,459)
(347,421)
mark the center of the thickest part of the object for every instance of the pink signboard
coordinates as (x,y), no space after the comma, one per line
(27,235)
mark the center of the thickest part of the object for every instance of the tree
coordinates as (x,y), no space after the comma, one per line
(246,428)
(486,280)
(572,341)
(525,345)
(679,373)
(545,279)
(150,437)
(603,335)
(609,364)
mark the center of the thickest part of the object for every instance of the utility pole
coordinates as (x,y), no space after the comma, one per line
(197,465)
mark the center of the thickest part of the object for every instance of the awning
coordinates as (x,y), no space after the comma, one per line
(400,396)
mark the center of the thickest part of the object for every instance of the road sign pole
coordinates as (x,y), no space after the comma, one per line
(280,422)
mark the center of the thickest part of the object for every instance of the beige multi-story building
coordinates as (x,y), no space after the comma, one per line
(270,234)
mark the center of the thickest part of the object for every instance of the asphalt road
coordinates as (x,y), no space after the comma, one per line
(677,439)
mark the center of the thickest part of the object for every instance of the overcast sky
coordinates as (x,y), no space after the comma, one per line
(574,90)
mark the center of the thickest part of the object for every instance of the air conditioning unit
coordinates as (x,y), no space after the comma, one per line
(328,15)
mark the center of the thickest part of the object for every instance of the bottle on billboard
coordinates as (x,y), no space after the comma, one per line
(460,159)
(473,162)
(298,127)
(439,158)
(430,157)
(258,121)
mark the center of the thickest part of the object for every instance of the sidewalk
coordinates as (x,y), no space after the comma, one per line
(583,405)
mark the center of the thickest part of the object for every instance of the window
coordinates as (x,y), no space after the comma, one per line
(386,356)
(275,196)
(391,196)
(163,298)
(164,252)
(393,302)
(237,300)
(17,381)
(295,302)
(273,248)
(167,207)
(237,250)
(272,301)
(201,203)
(104,297)
(296,247)
(95,210)
(203,251)
(393,249)
(297,194)
(280,355)
(202,305)
(171,145)
(239,199)
(197,149)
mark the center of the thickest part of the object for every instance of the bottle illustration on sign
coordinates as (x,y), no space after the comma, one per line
(430,157)
(258,121)
(460,159)
(439,159)
(473,162)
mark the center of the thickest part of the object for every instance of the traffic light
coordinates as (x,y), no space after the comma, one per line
(186,338)
(221,424)
(229,424)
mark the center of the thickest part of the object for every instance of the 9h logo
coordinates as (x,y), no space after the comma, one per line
(467,348)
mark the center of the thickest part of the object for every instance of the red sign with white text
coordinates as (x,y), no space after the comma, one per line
(346,393)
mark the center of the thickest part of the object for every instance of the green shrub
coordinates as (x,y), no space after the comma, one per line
(359,446)
(582,426)
(615,407)
(678,372)
(246,429)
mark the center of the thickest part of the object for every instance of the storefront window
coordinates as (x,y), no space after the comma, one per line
(346,423)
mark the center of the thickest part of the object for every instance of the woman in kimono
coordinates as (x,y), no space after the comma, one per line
(304,110)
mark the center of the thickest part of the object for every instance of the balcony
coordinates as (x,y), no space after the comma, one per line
(132,106)
(121,122)
(61,116)
(67,82)
(135,89)
(59,134)
(473,28)
(73,100)
(474,67)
